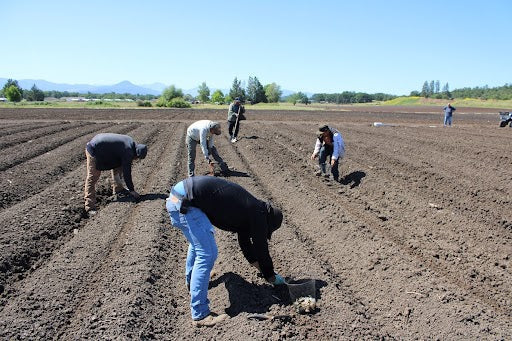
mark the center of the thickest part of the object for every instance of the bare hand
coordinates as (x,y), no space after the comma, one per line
(313,156)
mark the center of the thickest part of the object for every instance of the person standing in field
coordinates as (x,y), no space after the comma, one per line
(198,203)
(330,143)
(448,113)
(108,151)
(201,132)
(235,115)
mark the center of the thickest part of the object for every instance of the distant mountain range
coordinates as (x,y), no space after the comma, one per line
(119,88)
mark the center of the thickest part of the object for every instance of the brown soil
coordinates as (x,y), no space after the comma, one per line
(414,243)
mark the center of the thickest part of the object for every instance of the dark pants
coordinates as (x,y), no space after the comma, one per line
(326,151)
(231,125)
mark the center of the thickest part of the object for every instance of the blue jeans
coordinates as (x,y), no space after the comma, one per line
(326,151)
(201,256)
(447,120)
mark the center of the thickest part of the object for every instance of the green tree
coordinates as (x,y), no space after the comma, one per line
(272,92)
(168,94)
(13,93)
(171,92)
(218,97)
(298,97)
(204,93)
(9,83)
(255,91)
(34,94)
(425,90)
(237,90)
(437,87)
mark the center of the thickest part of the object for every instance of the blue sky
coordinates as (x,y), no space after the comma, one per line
(388,46)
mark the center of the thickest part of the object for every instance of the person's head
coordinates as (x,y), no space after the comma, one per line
(237,100)
(274,219)
(449,105)
(323,130)
(141,151)
(214,128)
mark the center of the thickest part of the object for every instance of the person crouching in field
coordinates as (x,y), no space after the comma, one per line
(108,151)
(329,142)
(195,205)
(202,132)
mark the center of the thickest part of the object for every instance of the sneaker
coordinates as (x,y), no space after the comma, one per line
(210,320)
(318,173)
(91,213)
(325,175)
(233,140)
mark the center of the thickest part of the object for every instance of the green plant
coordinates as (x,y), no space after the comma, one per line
(141,103)
(13,93)
(178,102)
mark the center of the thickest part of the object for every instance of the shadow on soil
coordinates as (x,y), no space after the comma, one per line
(245,297)
(353,179)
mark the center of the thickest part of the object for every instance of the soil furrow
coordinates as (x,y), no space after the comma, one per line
(24,126)
(34,134)
(25,151)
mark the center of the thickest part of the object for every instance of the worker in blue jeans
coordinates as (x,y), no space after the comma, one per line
(195,205)
(448,113)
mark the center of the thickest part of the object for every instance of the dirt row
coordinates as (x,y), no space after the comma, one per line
(414,242)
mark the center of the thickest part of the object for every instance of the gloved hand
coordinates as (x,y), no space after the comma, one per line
(279,280)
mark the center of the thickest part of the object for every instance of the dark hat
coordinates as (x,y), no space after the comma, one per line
(274,219)
(323,127)
(141,150)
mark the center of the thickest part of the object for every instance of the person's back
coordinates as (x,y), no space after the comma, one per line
(228,205)
(111,150)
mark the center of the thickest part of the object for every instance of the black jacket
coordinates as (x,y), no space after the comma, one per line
(112,151)
(230,207)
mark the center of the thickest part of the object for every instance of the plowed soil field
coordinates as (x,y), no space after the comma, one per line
(414,242)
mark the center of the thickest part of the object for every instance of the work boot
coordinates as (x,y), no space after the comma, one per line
(210,320)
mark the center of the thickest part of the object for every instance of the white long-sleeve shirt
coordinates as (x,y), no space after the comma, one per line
(200,131)
(338,145)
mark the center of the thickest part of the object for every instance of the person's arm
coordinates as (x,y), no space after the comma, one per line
(127,174)
(318,145)
(260,245)
(247,248)
(203,138)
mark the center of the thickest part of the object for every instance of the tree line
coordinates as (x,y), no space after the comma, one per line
(432,90)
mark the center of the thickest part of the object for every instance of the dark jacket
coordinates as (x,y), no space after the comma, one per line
(113,151)
(233,111)
(230,207)
(448,110)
